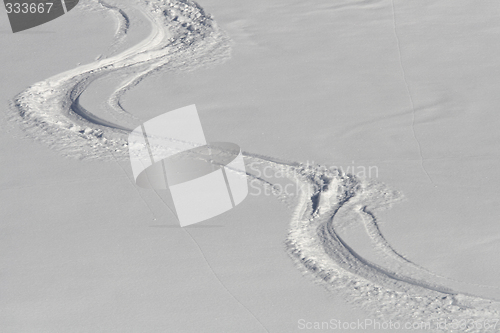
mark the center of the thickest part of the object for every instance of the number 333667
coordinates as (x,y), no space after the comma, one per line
(25,8)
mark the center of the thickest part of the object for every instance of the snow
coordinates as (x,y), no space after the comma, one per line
(301,86)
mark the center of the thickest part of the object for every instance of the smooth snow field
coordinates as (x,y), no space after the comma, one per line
(369,132)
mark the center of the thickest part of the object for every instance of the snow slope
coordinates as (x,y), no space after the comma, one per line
(377,278)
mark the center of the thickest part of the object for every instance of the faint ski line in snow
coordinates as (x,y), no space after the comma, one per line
(168,206)
(409,93)
(222,284)
(210,266)
(134,186)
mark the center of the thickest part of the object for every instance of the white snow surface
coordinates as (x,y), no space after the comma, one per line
(407,88)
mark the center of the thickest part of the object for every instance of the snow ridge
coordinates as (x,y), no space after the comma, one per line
(319,251)
(183,37)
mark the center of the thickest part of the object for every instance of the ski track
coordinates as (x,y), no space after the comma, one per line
(184,37)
